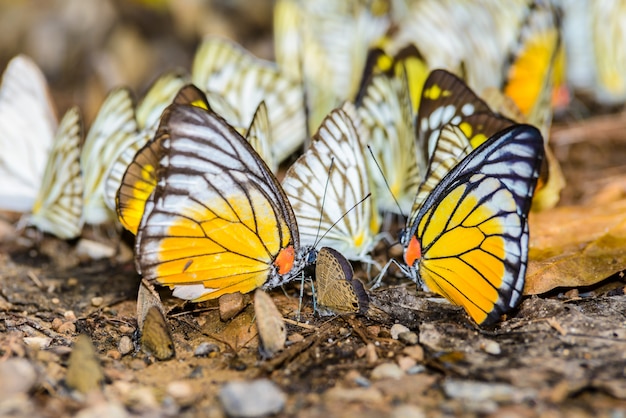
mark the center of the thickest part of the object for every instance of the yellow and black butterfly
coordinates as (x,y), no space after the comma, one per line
(217,220)
(337,291)
(140,174)
(468,241)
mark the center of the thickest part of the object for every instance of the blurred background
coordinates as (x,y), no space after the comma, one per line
(85,48)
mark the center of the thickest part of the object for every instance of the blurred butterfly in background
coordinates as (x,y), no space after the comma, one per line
(337,291)
(323,45)
(28,123)
(217,221)
(113,129)
(140,176)
(468,241)
(146,115)
(338,215)
(59,203)
(223,68)
(384,106)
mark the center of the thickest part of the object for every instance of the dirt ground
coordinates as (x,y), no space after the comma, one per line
(561,354)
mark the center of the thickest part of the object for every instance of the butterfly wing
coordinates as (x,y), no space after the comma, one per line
(336,287)
(218,221)
(28,123)
(469,240)
(259,136)
(58,207)
(114,129)
(336,158)
(244,81)
(385,108)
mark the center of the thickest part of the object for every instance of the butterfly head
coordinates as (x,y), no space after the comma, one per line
(288,264)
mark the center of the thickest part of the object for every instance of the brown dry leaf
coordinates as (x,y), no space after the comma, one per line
(270,323)
(576,246)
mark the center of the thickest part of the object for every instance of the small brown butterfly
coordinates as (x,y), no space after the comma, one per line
(338,291)
(155,333)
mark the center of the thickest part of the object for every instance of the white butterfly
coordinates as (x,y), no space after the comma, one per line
(58,207)
(336,157)
(224,68)
(28,123)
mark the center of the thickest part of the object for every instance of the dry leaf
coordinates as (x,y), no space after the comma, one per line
(270,323)
(575,246)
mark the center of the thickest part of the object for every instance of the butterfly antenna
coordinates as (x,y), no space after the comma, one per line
(342,216)
(385,179)
(319,225)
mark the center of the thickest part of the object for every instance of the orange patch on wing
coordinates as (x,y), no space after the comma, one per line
(284,260)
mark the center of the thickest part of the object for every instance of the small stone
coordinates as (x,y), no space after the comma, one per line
(141,399)
(373,330)
(417,369)
(56,323)
(408,338)
(205,349)
(103,409)
(370,354)
(72,281)
(408,411)
(67,328)
(361,351)
(125,345)
(97,301)
(114,354)
(69,316)
(40,343)
(398,329)
(344,331)
(230,305)
(255,398)
(87,250)
(126,329)
(137,364)
(405,363)
(491,347)
(387,371)
(295,337)
(363,395)
(416,352)
(182,392)
(55,301)
(17,376)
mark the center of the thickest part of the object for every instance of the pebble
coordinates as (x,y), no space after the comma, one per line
(408,411)
(483,392)
(398,329)
(406,363)
(126,329)
(491,347)
(354,377)
(38,342)
(114,354)
(230,305)
(295,337)
(417,369)
(69,316)
(182,392)
(67,328)
(416,352)
(72,281)
(103,409)
(408,338)
(17,375)
(97,301)
(364,395)
(373,330)
(205,349)
(91,250)
(370,354)
(125,345)
(387,371)
(56,323)
(254,398)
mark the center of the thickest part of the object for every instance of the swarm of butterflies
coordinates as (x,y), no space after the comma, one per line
(359,92)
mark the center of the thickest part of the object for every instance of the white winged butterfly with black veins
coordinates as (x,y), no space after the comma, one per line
(58,207)
(243,80)
(28,123)
(148,114)
(114,128)
(385,108)
(336,157)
